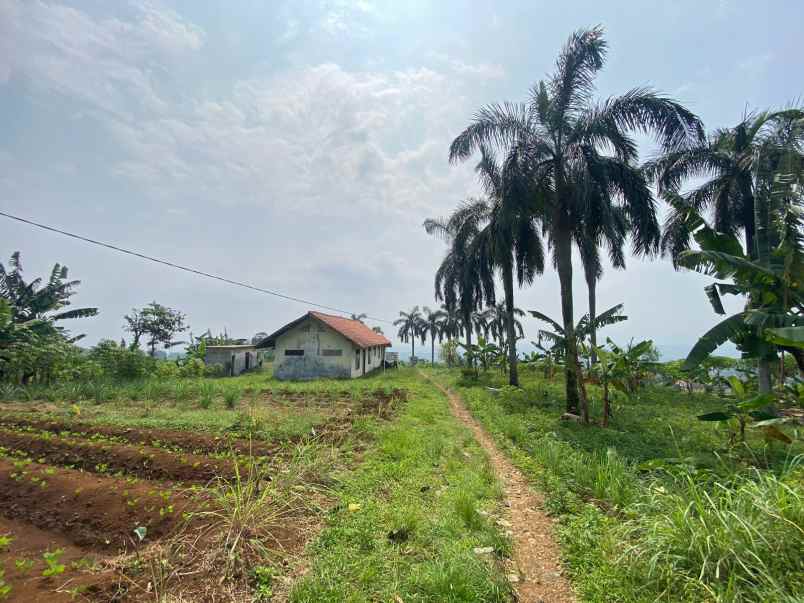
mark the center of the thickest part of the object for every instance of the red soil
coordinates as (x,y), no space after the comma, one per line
(90,511)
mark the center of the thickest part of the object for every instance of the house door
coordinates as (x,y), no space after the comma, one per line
(364,362)
(248,360)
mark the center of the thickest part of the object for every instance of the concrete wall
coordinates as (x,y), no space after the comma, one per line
(224,356)
(314,339)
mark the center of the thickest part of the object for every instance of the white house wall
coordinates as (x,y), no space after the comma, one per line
(313,337)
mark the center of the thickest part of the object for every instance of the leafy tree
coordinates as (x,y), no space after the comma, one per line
(560,136)
(410,326)
(432,327)
(33,301)
(159,323)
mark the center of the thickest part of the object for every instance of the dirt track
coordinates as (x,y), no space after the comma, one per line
(540,578)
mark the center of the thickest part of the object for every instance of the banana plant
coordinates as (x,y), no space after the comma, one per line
(483,351)
(742,408)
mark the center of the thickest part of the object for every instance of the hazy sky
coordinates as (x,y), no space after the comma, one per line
(300,145)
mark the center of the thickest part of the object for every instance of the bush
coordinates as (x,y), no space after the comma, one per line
(194,367)
(120,362)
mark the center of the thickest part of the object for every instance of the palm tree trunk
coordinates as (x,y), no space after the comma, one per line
(564,262)
(412,348)
(432,349)
(764,374)
(591,284)
(510,336)
(468,329)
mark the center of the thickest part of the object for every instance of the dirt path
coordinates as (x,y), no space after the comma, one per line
(536,553)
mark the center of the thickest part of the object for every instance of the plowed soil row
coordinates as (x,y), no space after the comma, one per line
(174,438)
(27,582)
(91,511)
(141,461)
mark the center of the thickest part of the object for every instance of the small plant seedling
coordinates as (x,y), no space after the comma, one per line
(263,578)
(5,541)
(52,558)
(23,565)
(5,588)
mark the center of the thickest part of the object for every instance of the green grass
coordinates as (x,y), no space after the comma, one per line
(656,507)
(410,515)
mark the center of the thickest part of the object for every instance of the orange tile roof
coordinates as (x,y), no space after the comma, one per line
(354,330)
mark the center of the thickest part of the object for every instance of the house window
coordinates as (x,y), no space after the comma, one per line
(328,352)
(294,352)
(357,359)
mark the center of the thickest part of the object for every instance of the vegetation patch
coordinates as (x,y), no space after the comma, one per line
(658,506)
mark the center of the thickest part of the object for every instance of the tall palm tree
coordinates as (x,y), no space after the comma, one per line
(743,168)
(432,326)
(32,301)
(561,134)
(461,281)
(603,225)
(409,324)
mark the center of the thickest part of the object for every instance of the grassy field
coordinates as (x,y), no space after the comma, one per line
(657,506)
(245,489)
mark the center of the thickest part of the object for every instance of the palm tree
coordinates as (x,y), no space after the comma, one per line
(738,165)
(495,321)
(728,160)
(359,317)
(560,135)
(603,224)
(432,326)
(461,281)
(409,324)
(451,323)
(32,301)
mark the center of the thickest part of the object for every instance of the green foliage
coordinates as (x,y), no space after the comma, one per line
(158,323)
(119,362)
(52,558)
(655,508)
(5,588)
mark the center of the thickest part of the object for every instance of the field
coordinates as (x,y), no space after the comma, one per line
(244,489)
(659,506)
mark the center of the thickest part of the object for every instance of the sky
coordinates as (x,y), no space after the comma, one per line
(299,145)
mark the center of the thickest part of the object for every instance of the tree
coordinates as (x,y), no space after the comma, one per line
(32,301)
(460,281)
(494,320)
(603,224)
(742,167)
(359,317)
(410,324)
(560,136)
(431,326)
(563,341)
(509,240)
(160,323)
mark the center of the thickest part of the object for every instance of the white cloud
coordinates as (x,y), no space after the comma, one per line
(317,138)
(107,62)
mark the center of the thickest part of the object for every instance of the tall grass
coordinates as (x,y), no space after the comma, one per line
(736,541)
(638,525)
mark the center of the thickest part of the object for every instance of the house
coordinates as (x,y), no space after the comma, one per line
(234,358)
(322,345)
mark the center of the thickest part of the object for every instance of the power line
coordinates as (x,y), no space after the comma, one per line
(180,267)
